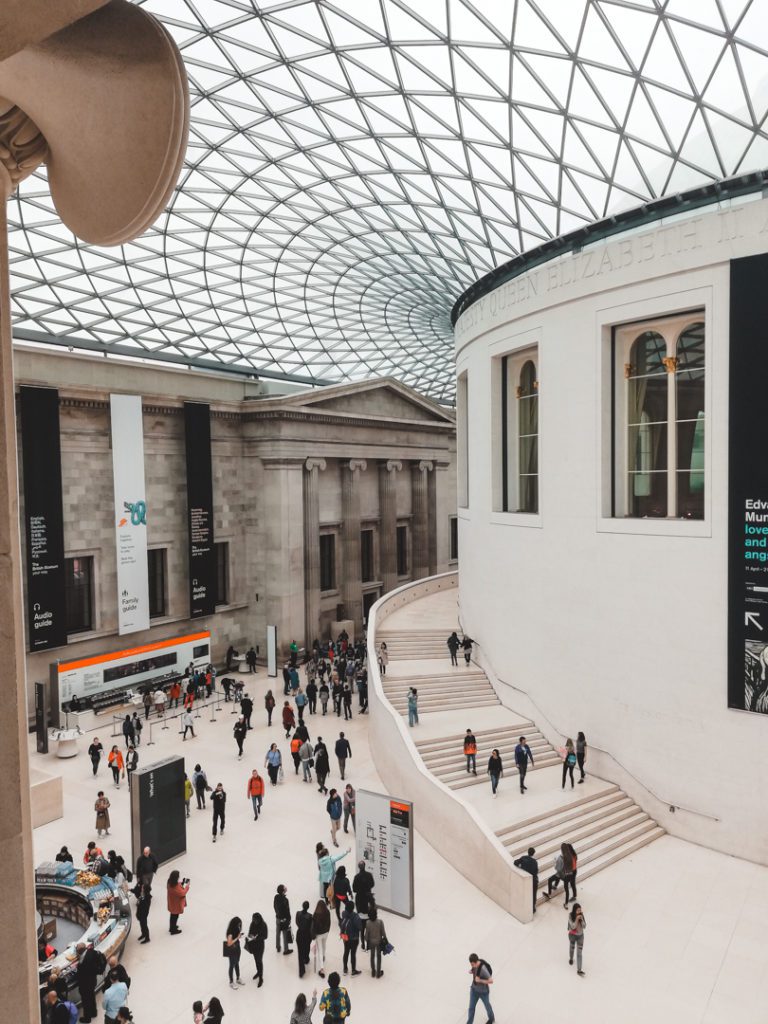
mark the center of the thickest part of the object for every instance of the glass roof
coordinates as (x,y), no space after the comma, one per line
(353,166)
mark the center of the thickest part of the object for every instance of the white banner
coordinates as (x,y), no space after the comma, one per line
(130,513)
(384,840)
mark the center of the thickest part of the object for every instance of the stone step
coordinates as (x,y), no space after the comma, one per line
(449,742)
(582,827)
(456,758)
(461,780)
(482,702)
(458,701)
(422,678)
(435,686)
(590,836)
(565,813)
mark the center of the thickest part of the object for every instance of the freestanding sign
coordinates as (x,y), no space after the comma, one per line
(43,517)
(130,513)
(384,839)
(202,554)
(271,650)
(158,814)
(748,488)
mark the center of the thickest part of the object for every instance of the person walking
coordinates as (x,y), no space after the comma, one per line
(233,951)
(466,646)
(413,706)
(302,1012)
(282,910)
(569,761)
(129,734)
(200,782)
(482,979)
(335,1002)
(375,940)
(453,643)
(254,944)
(269,706)
(522,756)
(300,700)
(343,751)
(116,763)
(312,696)
(383,658)
(322,765)
(576,923)
(189,790)
(143,894)
(240,731)
(529,863)
(306,751)
(565,872)
(581,753)
(273,762)
(255,792)
(188,722)
(219,804)
(324,693)
(495,769)
(94,752)
(177,900)
(137,727)
(349,807)
(289,719)
(246,710)
(321,926)
(470,751)
(296,742)
(334,808)
(303,936)
(131,764)
(351,926)
(101,807)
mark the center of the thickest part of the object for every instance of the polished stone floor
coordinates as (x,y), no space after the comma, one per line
(675,933)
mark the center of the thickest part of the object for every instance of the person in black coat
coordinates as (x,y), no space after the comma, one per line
(362,886)
(143,894)
(246,709)
(240,730)
(282,910)
(87,980)
(322,764)
(146,866)
(531,865)
(303,935)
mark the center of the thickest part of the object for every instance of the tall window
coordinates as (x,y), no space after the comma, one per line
(367,559)
(659,454)
(78,593)
(517,486)
(327,561)
(222,572)
(402,551)
(156,564)
(454,527)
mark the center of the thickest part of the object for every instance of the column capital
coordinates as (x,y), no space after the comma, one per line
(392,465)
(356,464)
(313,463)
(424,465)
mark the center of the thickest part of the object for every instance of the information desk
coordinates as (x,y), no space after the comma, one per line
(96,905)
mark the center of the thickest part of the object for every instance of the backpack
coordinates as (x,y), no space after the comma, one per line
(72,1010)
(570,759)
(487,966)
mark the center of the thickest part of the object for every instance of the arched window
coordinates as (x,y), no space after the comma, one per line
(528,439)
(647,421)
(689,384)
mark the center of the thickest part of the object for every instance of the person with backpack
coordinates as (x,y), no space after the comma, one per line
(269,706)
(334,807)
(258,933)
(101,807)
(470,751)
(200,782)
(569,761)
(137,727)
(576,923)
(335,1002)
(351,926)
(375,940)
(482,979)
(61,1011)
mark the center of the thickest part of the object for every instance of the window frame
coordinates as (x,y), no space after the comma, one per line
(405,549)
(372,578)
(453,538)
(332,534)
(152,552)
(223,546)
(85,556)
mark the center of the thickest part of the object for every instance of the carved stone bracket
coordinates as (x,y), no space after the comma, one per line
(313,463)
(22,146)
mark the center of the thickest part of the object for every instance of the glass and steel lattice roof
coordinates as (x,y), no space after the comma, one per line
(353,166)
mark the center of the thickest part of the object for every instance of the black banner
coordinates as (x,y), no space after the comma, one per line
(43,515)
(41,717)
(202,555)
(748,488)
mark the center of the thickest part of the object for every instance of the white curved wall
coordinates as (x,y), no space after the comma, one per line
(616,626)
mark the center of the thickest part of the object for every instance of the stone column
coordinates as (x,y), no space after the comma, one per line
(283,504)
(432,526)
(18,948)
(420,518)
(388,522)
(352,587)
(311,549)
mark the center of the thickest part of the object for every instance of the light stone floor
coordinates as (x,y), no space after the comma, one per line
(675,933)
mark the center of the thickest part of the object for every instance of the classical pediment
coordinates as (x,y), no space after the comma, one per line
(382,399)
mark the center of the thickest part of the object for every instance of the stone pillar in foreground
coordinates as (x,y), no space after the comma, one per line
(388,522)
(352,586)
(312,550)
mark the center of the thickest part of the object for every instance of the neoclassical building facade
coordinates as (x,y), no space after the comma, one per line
(323,500)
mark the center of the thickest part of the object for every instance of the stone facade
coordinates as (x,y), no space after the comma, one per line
(287,468)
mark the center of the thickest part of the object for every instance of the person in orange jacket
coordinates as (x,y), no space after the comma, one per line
(295,747)
(116,763)
(470,751)
(255,790)
(175,693)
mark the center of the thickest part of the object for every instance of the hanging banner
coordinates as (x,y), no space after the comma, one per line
(43,517)
(130,513)
(384,840)
(748,488)
(202,554)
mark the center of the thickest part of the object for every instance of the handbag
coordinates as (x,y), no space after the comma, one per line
(311,762)
(226,949)
(280,773)
(387,948)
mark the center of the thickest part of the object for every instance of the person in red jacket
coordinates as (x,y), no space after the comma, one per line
(116,763)
(470,751)
(255,791)
(177,900)
(289,719)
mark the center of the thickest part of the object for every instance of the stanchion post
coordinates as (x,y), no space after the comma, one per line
(151,742)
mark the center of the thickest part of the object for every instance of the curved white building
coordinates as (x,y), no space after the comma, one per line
(596,432)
